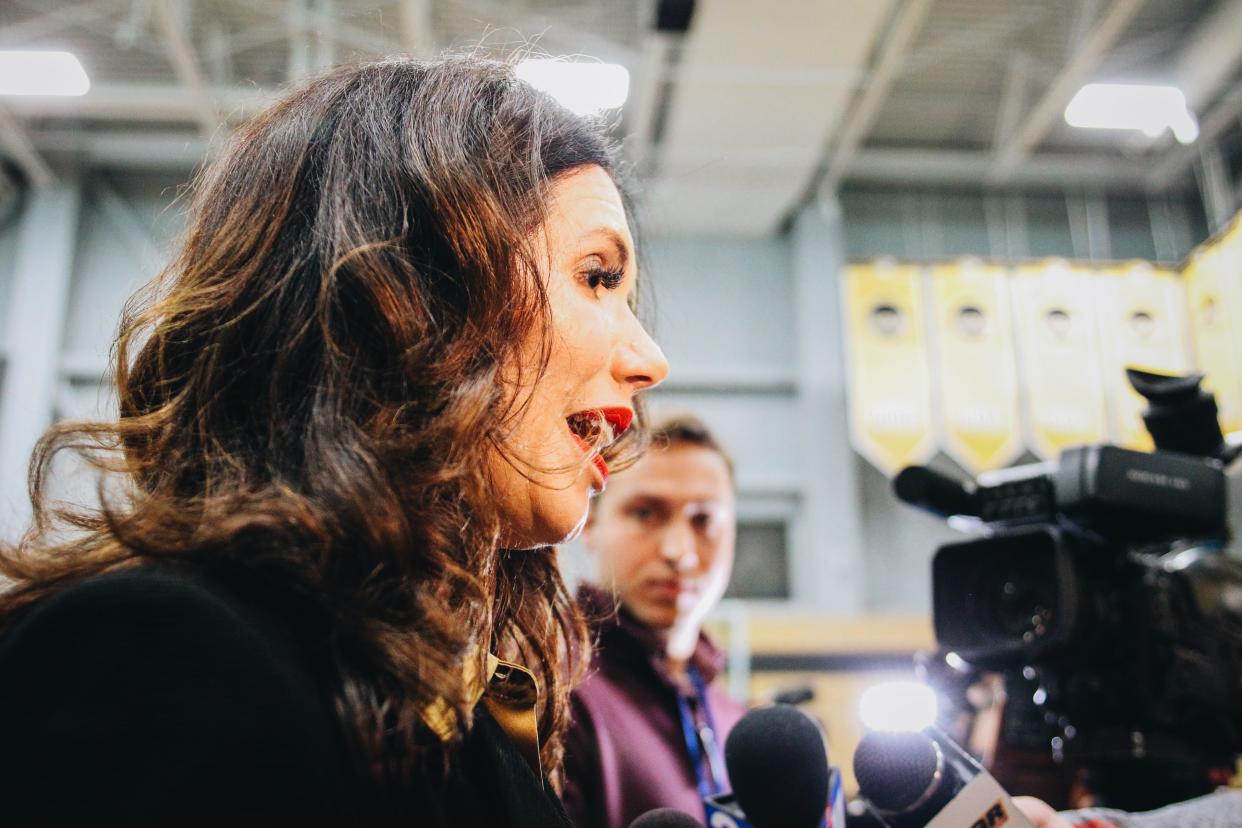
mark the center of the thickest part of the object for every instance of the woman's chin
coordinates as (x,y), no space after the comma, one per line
(575,524)
(556,523)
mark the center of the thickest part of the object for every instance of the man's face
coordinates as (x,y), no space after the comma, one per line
(664,535)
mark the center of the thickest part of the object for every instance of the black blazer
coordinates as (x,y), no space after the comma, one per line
(161,697)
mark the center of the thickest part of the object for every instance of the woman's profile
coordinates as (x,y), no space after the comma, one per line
(388,367)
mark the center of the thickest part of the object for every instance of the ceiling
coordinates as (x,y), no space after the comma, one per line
(732,124)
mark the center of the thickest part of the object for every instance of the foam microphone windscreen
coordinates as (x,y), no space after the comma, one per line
(666,818)
(895,769)
(778,767)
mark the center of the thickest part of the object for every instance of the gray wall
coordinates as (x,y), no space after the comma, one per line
(750,327)
(934,224)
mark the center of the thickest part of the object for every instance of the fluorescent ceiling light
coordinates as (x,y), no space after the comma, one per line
(41,73)
(581,86)
(1149,109)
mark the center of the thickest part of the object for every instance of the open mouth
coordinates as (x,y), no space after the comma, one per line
(596,429)
(600,427)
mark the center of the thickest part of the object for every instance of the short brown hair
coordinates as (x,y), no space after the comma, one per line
(688,430)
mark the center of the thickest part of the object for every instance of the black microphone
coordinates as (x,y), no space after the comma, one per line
(924,780)
(778,767)
(666,818)
(935,492)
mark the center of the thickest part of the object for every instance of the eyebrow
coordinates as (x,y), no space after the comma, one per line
(613,237)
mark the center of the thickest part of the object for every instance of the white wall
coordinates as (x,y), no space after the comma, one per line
(107,240)
(724,315)
(126,229)
(8,252)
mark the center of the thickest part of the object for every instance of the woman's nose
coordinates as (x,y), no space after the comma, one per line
(640,363)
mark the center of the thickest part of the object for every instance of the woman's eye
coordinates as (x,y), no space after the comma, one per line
(607,279)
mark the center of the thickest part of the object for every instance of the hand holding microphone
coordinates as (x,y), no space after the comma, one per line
(1040,813)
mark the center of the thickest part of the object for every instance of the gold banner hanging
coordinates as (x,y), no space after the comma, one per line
(979,423)
(1058,357)
(886,358)
(1211,282)
(1229,264)
(1142,316)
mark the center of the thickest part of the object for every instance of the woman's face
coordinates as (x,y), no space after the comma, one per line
(599,357)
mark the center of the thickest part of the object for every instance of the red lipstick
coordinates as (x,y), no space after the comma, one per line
(618,418)
(597,460)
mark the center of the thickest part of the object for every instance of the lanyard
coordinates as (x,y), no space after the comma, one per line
(701,740)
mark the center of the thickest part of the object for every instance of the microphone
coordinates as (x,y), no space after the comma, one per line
(778,766)
(922,779)
(934,492)
(666,818)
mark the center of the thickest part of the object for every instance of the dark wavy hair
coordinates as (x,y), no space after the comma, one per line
(308,393)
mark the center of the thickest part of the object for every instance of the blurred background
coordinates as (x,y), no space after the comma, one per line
(876,232)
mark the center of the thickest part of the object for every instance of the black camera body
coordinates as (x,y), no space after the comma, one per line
(1102,581)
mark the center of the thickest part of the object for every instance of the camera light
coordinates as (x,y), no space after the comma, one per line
(898,706)
(41,73)
(582,87)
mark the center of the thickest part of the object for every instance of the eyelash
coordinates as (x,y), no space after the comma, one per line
(608,279)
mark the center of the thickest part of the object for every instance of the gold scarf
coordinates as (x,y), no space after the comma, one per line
(510,693)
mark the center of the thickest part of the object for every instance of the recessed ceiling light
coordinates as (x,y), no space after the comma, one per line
(581,86)
(1150,109)
(41,73)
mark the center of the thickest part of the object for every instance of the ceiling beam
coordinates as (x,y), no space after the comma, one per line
(15,143)
(298,32)
(1212,175)
(344,32)
(972,168)
(56,19)
(1092,49)
(1014,98)
(256,36)
(138,149)
(134,150)
(906,25)
(1211,55)
(417,35)
(180,52)
(996,29)
(148,102)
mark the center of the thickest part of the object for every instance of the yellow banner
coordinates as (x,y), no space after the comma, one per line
(979,423)
(1059,366)
(1142,315)
(1212,289)
(886,357)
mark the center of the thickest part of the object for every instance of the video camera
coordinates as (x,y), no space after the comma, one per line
(1102,581)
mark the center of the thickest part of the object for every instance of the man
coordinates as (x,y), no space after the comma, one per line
(649,723)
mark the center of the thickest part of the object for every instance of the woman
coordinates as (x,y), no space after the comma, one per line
(389,366)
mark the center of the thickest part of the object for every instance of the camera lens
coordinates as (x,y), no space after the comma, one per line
(1019,604)
(1014,596)
(1005,599)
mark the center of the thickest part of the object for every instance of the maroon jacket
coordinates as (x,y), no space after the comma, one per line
(626,753)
